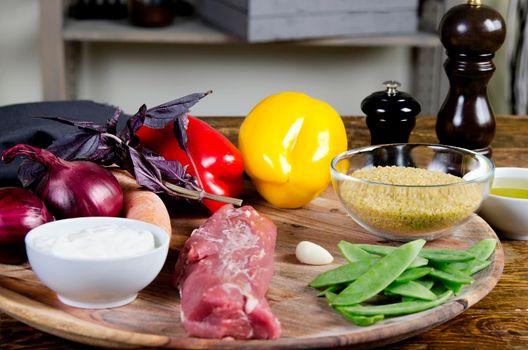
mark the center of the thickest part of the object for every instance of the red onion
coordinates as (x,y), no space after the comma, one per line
(20,211)
(72,189)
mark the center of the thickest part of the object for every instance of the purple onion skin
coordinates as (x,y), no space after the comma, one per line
(20,211)
(72,189)
(81,189)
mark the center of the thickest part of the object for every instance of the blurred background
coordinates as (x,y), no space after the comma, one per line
(53,49)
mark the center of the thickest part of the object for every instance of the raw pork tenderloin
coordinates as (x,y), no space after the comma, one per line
(223,272)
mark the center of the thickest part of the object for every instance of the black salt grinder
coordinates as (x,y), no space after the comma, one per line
(391,114)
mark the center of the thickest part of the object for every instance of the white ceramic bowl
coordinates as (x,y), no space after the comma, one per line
(96,283)
(509,216)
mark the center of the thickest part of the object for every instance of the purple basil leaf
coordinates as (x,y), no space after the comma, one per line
(146,174)
(108,152)
(188,100)
(159,116)
(77,145)
(173,171)
(30,173)
(180,131)
(111,124)
(128,134)
(78,123)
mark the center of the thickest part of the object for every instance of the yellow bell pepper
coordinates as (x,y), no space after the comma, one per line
(287,142)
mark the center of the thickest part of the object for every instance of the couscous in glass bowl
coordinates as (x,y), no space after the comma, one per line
(410,191)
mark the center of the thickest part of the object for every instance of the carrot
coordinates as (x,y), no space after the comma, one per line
(142,204)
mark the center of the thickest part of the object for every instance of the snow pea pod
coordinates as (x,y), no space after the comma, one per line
(453,286)
(411,289)
(482,249)
(342,274)
(353,253)
(395,309)
(478,265)
(380,275)
(427,283)
(419,261)
(446,255)
(332,289)
(413,274)
(359,320)
(451,276)
(438,255)
(330,297)
(467,267)
(407,299)
(376,249)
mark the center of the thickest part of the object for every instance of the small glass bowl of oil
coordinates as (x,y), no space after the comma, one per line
(506,208)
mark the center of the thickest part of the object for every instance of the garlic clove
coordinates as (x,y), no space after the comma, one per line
(312,254)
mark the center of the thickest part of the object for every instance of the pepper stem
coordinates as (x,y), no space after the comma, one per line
(192,194)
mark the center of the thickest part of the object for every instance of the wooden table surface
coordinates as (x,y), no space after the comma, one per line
(500,320)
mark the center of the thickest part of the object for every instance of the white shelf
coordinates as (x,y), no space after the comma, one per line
(193,31)
(60,38)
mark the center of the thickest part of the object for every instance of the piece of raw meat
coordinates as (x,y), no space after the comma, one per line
(223,272)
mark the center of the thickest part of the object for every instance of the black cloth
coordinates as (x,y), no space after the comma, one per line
(20,124)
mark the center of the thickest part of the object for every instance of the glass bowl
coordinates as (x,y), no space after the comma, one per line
(402,191)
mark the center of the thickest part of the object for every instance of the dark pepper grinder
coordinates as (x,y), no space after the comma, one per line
(470,33)
(391,114)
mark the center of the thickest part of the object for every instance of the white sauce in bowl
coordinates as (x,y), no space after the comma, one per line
(100,242)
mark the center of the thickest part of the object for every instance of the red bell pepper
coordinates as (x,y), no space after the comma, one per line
(218,162)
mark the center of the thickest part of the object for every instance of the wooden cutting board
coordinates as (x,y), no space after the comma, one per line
(153,320)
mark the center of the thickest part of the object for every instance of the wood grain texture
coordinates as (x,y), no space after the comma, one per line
(499,320)
(154,319)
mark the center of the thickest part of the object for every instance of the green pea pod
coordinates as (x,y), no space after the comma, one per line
(439,289)
(411,289)
(342,274)
(460,266)
(380,275)
(333,289)
(413,274)
(456,288)
(427,283)
(376,249)
(407,299)
(477,266)
(483,249)
(480,250)
(362,321)
(451,276)
(353,253)
(468,267)
(330,297)
(418,262)
(395,309)
(438,255)
(446,255)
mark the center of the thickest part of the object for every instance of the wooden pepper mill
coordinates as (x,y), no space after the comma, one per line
(470,33)
(391,114)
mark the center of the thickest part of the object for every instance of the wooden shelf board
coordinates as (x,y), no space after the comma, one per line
(193,31)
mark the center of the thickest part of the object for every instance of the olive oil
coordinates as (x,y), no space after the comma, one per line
(510,192)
